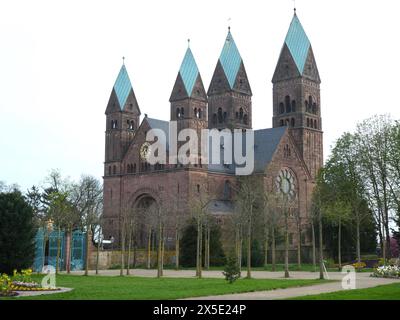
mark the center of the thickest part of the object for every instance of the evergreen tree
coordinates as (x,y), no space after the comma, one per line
(17,232)
(231,270)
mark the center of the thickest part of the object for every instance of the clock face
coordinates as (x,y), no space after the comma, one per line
(145,150)
(286,182)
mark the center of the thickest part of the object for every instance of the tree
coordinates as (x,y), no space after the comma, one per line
(231,270)
(17,232)
(247,197)
(88,199)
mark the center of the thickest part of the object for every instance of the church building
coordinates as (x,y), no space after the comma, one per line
(286,156)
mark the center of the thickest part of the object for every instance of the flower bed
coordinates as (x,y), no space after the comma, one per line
(387,272)
(20,282)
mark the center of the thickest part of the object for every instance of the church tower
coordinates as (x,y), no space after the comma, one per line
(188,98)
(229,94)
(296,95)
(122,119)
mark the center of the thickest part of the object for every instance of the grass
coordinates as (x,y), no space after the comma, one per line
(131,288)
(279,268)
(385,292)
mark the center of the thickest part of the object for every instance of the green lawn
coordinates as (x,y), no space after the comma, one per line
(124,288)
(385,292)
(279,267)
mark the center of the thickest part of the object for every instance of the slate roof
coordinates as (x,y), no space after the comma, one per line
(230,59)
(266,141)
(298,43)
(122,87)
(189,71)
(160,124)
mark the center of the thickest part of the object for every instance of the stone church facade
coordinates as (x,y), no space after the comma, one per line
(289,153)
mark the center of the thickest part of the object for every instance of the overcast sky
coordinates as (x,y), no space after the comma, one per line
(59,61)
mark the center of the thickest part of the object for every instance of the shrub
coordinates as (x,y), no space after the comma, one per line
(231,270)
(17,232)
(359,265)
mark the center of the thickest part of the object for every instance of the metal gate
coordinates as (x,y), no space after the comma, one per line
(39,251)
(78,250)
(53,247)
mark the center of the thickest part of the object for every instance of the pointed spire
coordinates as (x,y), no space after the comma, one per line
(189,71)
(230,59)
(297,43)
(122,86)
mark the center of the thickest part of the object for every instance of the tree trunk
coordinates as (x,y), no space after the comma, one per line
(249,248)
(68,253)
(123,239)
(98,252)
(208,248)
(149,249)
(159,251)
(321,255)
(266,247)
(358,240)
(128,262)
(299,243)
(177,248)
(314,255)
(340,244)
(286,247)
(273,245)
(87,250)
(199,248)
(58,251)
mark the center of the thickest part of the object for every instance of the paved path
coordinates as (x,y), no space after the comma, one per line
(39,293)
(363,280)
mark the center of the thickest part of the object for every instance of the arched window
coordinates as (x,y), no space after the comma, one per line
(281,123)
(241,113)
(220,115)
(178,113)
(281,108)
(314,108)
(182,112)
(245,120)
(114,170)
(315,124)
(109,170)
(306,104)
(292,122)
(112,124)
(214,118)
(293,105)
(195,113)
(198,188)
(310,102)
(134,168)
(237,115)
(312,123)
(225,115)
(129,168)
(308,122)
(115,124)
(199,113)
(287,104)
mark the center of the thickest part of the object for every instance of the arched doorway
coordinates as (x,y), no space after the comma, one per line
(146,209)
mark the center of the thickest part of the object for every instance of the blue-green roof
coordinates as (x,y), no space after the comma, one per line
(298,43)
(230,59)
(122,86)
(189,71)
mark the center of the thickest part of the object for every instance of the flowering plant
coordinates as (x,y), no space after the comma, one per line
(5,285)
(359,265)
(387,272)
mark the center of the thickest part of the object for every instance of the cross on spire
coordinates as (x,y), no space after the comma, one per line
(123,60)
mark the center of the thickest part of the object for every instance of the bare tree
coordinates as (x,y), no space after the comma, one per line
(247,196)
